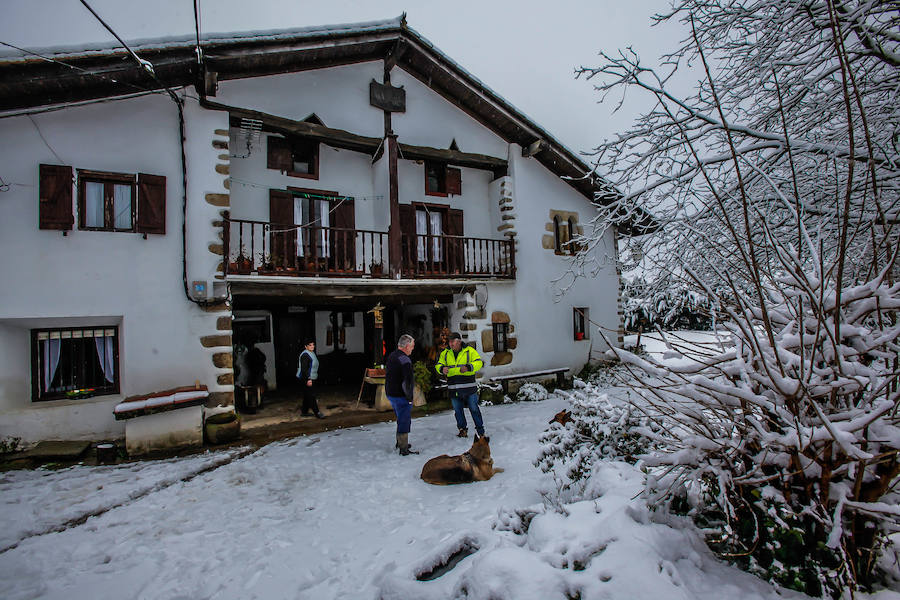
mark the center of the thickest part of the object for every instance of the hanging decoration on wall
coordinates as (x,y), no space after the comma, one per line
(378,311)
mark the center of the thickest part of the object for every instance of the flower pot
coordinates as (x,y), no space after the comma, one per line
(376,372)
(418,397)
(222,428)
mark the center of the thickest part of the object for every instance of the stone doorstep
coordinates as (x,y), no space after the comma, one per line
(51,449)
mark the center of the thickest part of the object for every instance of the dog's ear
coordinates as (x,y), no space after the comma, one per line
(476,438)
(487,440)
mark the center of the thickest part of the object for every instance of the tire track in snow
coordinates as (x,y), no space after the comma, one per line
(81,519)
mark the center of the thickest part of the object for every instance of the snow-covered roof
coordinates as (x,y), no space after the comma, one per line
(166,42)
(93,71)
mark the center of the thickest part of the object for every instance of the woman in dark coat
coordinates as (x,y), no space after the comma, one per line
(307,373)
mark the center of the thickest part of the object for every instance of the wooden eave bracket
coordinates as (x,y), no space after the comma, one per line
(533,148)
(338,138)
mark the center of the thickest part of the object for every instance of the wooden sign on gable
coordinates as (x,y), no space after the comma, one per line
(387,97)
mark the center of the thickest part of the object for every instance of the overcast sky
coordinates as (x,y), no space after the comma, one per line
(525,50)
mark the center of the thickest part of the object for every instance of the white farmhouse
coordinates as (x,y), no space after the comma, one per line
(287,185)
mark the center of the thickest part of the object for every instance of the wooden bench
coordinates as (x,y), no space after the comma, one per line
(164,420)
(504,380)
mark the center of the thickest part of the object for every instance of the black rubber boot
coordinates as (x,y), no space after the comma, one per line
(403,444)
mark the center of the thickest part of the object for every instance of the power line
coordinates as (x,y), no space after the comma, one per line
(197,26)
(146,64)
(79,69)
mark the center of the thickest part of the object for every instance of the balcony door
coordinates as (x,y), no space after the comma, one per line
(312,230)
(426,249)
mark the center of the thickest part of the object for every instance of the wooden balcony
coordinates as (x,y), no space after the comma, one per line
(265,248)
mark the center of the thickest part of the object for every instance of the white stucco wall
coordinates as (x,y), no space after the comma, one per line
(431,120)
(540,310)
(337,95)
(100,277)
(541,314)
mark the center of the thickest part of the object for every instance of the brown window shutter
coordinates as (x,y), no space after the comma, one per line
(344,241)
(55,204)
(407,233)
(454,222)
(456,256)
(283,248)
(454,181)
(151,204)
(279,154)
(281,207)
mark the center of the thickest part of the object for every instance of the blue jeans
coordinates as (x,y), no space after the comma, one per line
(403,410)
(470,400)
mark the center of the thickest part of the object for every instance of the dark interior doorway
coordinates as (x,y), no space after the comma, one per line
(290,329)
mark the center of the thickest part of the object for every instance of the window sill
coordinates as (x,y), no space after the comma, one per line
(112,398)
(301,175)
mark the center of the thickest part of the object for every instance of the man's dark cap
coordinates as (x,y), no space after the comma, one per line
(309,340)
(454,336)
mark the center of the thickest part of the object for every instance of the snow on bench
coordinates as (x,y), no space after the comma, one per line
(148,404)
(505,379)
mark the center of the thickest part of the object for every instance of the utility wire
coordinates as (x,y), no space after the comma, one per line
(79,69)
(197,26)
(146,64)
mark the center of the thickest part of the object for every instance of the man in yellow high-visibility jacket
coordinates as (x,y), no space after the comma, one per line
(459,364)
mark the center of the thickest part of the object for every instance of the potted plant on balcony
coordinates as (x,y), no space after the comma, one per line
(376,268)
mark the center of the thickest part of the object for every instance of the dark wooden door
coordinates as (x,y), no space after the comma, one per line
(290,329)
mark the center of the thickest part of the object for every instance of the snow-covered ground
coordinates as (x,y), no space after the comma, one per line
(341,515)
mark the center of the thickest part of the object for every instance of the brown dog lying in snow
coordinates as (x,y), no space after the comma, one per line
(474,465)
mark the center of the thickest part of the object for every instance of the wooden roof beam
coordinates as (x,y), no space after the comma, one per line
(338,138)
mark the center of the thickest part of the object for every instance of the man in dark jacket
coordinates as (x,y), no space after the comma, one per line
(399,385)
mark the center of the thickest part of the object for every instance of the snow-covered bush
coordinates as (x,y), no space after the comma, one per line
(665,306)
(601,428)
(788,439)
(775,193)
(531,392)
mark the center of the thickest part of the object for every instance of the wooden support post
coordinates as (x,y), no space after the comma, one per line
(394,247)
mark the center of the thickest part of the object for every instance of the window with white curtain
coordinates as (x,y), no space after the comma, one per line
(314,217)
(429,223)
(72,363)
(106,201)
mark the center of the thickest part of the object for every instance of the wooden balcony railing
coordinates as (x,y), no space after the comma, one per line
(457,256)
(279,249)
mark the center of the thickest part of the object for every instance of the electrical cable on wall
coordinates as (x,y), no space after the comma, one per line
(43,139)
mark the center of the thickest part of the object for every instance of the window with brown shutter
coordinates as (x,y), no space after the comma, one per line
(441,180)
(283,245)
(106,201)
(278,155)
(55,197)
(295,156)
(456,255)
(151,212)
(435,178)
(454,181)
(408,233)
(343,236)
